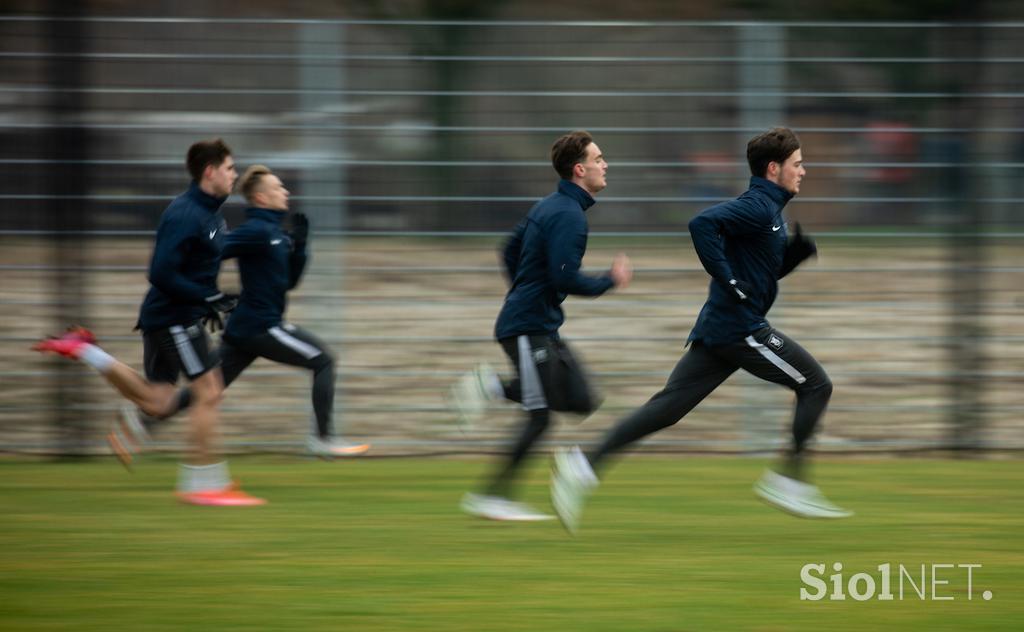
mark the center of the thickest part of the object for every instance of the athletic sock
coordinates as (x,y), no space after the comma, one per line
(494,386)
(203,478)
(183,401)
(97,358)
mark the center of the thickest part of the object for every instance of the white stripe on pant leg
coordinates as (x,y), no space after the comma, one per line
(305,349)
(532,387)
(185,351)
(770,355)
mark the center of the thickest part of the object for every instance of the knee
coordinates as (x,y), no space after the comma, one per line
(158,401)
(826,387)
(818,388)
(158,409)
(208,399)
(323,361)
(207,392)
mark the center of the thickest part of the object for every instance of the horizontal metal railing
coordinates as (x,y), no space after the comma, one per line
(895,354)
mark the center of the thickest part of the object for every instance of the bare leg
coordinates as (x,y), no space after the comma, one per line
(78,344)
(207,392)
(152,399)
(204,481)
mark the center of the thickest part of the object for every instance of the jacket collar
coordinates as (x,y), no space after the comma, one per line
(772,190)
(576,192)
(266,214)
(203,198)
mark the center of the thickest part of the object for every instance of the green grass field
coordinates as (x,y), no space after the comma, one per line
(668,543)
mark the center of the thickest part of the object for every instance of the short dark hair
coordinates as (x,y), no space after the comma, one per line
(250,181)
(568,151)
(203,153)
(775,145)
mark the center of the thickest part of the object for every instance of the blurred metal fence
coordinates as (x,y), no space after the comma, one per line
(415,144)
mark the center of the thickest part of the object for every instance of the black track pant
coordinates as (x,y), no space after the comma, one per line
(287,344)
(548,377)
(768,354)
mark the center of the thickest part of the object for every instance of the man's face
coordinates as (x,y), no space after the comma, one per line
(792,172)
(220,179)
(594,170)
(272,194)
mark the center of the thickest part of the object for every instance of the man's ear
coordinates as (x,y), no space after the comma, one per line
(579,170)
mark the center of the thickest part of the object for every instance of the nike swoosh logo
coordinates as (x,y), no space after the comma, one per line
(776,228)
(213,232)
(274,242)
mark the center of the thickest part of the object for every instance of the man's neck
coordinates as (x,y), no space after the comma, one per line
(207,188)
(580,184)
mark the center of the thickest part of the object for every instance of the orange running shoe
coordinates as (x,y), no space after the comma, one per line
(229,496)
(329,447)
(70,344)
(128,435)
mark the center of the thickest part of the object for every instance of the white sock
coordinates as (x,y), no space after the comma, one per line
(494,386)
(97,358)
(203,478)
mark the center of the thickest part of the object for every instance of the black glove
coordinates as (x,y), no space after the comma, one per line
(799,248)
(740,290)
(803,245)
(300,229)
(216,306)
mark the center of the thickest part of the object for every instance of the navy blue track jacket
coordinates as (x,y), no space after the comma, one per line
(543,258)
(269,265)
(186,261)
(743,239)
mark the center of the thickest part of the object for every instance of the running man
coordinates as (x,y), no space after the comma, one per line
(542,258)
(743,244)
(271,262)
(183,295)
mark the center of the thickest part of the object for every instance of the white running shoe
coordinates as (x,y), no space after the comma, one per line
(470,395)
(499,508)
(796,497)
(572,480)
(334,446)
